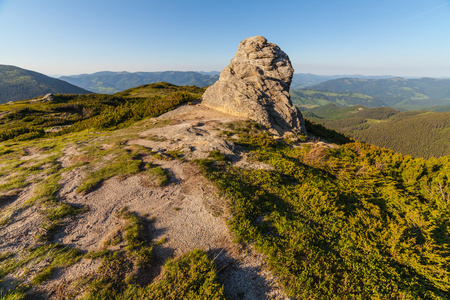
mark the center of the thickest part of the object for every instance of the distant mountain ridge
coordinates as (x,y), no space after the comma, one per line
(395,92)
(307,90)
(107,82)
(112,82)
(18,84)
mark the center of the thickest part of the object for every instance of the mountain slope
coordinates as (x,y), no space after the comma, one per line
(416,133)
(308,99)
(113,82)
(334,112)
(145,200)
(18,84)
(24,120)
(395,92)
(302,80)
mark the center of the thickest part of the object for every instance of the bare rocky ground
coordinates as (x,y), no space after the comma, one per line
(188,212)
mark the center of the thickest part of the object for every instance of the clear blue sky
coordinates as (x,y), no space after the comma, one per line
(371,37)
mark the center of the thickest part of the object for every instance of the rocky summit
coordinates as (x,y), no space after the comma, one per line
(255,85)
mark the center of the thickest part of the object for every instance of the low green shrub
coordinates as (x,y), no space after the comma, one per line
(354,222)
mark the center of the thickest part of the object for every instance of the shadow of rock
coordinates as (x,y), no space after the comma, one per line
(241,280)
(9,197)
(159,256)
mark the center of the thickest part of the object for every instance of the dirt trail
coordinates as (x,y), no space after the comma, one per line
(188,212)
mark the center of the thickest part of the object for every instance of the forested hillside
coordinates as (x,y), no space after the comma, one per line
(416,133)
(18,84)
(410,94)
(334,112)
(302,80)
(308,99)
(113,82)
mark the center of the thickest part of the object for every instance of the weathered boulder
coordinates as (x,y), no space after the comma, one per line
(48,98)
(256,85)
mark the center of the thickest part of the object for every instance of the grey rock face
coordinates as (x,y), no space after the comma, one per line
(48,98)
(256,85)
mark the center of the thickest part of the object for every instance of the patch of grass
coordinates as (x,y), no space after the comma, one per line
(176,154)
(122,168)
(97,254)
(46,191)
(58,210)
(49,230)
(218,156)
(192,276)
(11,295)
(109,282)
(10,165)
(57,255)
(60,256)
(5,255)
(114,240)
(53,210)
(16,182)
(156,176)
(46,194)
(226,133)
(75,113)
(141,150)
(115,273)
(160,89)
(161,241)
(135,237)
(4,221)
(159,156)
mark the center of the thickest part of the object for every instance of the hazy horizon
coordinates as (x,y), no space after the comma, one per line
(369,75)
(404,38)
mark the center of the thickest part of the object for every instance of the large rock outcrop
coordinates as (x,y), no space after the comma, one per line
(256,85)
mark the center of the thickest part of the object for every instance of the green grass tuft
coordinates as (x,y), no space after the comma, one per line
(192,276)
(156,176)
(218,156)
(121,168)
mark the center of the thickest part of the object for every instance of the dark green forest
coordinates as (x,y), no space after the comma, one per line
(303,80)
(409,94)
(417,133)
(308,99)
(19,84)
